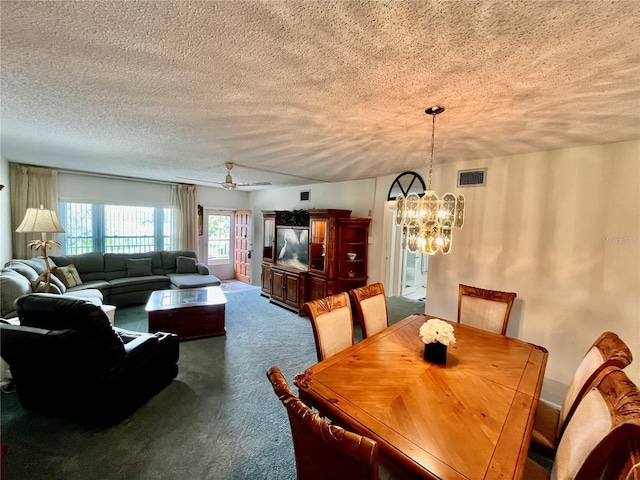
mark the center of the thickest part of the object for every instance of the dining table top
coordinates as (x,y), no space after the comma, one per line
(469,419)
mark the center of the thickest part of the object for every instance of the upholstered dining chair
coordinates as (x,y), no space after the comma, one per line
(371,304)
(602,439)
(485,309)
(332,324)
(323,450)
(608,350)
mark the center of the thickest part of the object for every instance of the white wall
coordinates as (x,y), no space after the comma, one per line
(562,230)
(5,213)
(357,196)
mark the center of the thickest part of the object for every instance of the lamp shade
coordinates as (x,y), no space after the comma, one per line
(40,220)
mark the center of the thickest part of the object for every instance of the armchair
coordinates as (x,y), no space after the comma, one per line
(65,358)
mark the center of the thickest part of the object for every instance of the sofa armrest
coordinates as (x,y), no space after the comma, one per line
(202,268)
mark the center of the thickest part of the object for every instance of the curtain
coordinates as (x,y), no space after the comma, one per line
(185,217)
(30,188)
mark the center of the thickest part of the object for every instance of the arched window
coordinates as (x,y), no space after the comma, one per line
(406,183)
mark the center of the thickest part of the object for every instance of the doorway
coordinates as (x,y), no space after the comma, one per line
(414,275)
(405,272)
(226,243)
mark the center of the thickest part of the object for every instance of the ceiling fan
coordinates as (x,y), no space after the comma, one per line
(228,183)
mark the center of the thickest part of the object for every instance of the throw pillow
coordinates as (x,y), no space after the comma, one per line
(65,275)
(74,272)
(186,265)
(138,267)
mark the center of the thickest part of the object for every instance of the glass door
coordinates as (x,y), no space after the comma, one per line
(269,239)
(318,245)
(218,244)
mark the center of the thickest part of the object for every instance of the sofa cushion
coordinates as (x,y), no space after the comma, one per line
(101,285)
(138,284)
(90,266)
(115,264)
(12,285)
(68,275)
(89,294)
(186,264)
(138,267)
(32,268)
(192,280)
(169,258)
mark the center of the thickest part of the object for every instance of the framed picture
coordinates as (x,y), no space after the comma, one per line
(292,247)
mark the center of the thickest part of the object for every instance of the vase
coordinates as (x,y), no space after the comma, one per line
(435,352)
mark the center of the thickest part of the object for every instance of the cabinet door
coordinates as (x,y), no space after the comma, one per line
(265,279)
(317,287)
(277,284)
(291,289)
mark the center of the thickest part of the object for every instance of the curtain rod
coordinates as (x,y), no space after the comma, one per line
(102,175)
(116,177)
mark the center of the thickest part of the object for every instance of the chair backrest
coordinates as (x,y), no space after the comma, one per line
(607,351)
(332,324)
(56,312)
(322,450)
(371,304)
(486,309)
(602,439)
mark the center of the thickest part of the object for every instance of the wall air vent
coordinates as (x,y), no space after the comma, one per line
(472,178)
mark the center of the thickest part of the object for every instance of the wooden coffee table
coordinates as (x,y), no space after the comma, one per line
(189,312)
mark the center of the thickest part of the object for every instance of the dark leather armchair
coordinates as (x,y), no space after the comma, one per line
(65,358)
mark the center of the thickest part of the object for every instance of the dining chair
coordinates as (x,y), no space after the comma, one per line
(323,450)
(486,309)
(608,350)
(371,305)
(602,439)
(332,324)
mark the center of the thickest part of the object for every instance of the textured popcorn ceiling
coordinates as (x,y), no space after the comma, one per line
(296,92)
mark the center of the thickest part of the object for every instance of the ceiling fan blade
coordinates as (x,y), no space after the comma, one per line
(200,180)
(252,184)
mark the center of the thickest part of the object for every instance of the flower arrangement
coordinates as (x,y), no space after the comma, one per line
(436,330)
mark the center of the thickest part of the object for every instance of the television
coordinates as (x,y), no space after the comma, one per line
(292,247)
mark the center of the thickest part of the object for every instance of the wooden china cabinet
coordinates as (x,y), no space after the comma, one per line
(283,282)
(320,265)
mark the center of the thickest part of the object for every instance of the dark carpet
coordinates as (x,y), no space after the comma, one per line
(219,419)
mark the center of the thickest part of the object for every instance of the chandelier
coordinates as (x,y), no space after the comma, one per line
(428,221)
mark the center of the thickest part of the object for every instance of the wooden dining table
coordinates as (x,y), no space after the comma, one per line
(469,419)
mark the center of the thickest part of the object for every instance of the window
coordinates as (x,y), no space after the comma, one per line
(114,228)
(219,238)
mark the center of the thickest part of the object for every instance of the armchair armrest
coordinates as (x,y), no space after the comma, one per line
(135,342)
(139,345)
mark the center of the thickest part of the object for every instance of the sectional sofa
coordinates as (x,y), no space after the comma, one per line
(110,278)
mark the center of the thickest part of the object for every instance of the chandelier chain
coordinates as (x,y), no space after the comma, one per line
(433,138)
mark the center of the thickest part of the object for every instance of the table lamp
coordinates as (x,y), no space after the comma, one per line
(43,221)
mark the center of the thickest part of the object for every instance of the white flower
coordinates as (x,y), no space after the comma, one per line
(436,330)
